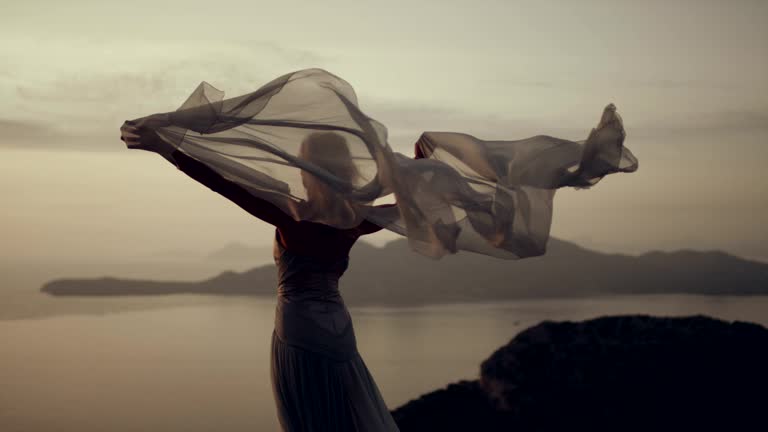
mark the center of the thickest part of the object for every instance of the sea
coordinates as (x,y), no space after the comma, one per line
(202,364)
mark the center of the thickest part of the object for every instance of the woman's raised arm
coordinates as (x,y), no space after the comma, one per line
(258,207)
(367,227)
(261,208)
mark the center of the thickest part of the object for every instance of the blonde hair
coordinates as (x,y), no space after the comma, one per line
(329,151)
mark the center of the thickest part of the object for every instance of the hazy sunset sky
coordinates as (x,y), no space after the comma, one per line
(688,77)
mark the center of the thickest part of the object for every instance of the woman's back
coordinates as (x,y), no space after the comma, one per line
(317,240)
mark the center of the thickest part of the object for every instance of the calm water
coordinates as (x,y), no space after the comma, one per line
(205,367)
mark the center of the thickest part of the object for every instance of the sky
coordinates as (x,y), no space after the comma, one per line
(688,78)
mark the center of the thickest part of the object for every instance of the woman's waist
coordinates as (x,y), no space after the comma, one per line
(322,326)
(308,285)
(306,310)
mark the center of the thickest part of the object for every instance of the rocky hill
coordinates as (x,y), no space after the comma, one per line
(623,373)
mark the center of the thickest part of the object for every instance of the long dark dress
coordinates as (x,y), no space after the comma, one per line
(319,380)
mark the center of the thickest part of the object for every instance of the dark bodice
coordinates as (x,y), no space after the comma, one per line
(310,310)
(307,275)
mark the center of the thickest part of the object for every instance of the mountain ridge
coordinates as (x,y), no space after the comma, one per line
(394,275)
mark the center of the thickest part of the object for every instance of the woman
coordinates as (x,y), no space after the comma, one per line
(299,154)
(319,380)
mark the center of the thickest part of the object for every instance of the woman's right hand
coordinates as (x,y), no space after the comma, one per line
(130,135)
(141,134)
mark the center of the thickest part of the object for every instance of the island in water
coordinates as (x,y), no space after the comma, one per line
(396,276)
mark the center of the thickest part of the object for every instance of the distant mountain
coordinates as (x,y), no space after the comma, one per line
(394,275)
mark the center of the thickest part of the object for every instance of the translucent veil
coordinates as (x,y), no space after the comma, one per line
(490,197)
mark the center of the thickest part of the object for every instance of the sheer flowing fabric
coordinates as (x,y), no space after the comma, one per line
(302,143)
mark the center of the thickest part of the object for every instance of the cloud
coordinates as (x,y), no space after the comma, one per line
(406,122)
(14,133)
(730,121)
(679,84)
(85,74)
(621,83)
(32,135)
(289,55)
(76,109)
(100,85)
(93,88)
(20,130)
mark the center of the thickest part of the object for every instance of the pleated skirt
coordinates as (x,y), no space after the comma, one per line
(320,382)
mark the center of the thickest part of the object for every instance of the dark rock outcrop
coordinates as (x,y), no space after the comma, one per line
(613,373)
